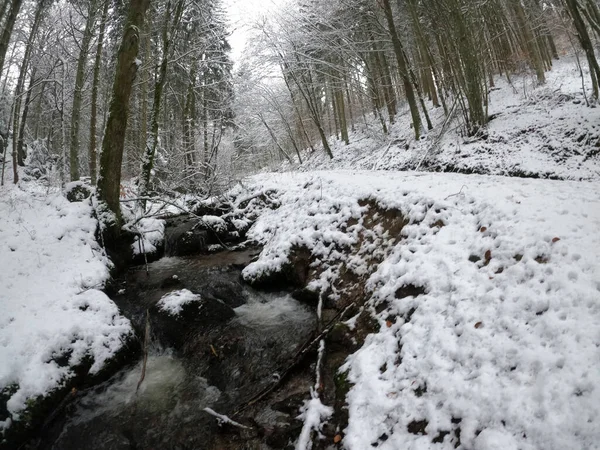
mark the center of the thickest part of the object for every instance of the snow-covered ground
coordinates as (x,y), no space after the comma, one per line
(546,131)
(52,311)
(503,349)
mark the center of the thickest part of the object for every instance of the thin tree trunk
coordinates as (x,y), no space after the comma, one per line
(78,90)
(282,151)
(94,113)
(167,36)
(403,69)
(586,44)
(21,153)
(21,83)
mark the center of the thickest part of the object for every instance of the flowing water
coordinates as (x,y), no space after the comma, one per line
(220,365)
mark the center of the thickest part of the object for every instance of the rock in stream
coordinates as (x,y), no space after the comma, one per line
(218,356)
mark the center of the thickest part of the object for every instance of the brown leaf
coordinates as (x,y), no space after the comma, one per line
(478,324)
(483,229)
(556,239)
(388,323)
(488,256)
(337,439)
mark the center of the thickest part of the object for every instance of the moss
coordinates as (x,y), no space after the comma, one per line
(339,333)
(342,384)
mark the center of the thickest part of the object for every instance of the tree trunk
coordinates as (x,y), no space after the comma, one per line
(78,90)
(167,36)
(116,126)
(21,153)
(94,113)
(403,69)
(8,29)
(20,85)
(586,44)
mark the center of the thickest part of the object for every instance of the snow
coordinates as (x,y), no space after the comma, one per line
(506,348)
(51,305)
(215,223)
(313,414)
(546,131)
(150,235)
(224,419)
(173,302)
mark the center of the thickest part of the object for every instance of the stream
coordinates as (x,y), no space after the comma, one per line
(219,359)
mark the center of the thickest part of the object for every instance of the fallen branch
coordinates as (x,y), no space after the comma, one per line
(458,193)
(224,419)
(196,216)
(298,358)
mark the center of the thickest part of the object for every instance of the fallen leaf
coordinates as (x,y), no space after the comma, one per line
(337,439)
(478,324)
(488,257)
(556,239)
(483,229)
(388,323)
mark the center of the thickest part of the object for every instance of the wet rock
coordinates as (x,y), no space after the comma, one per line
(183,237)
(292,404)
(294,273)
(229,292)
(174,330)
(307,296)
(283,437)
(42,411)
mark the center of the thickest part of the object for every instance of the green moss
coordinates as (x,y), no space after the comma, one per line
(342,384)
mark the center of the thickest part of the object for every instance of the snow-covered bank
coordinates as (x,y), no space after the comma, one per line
(53,315)
(545,131)
(502,350)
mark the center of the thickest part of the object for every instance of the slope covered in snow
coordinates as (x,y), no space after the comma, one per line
(53,315)
(536,131)
(496,343)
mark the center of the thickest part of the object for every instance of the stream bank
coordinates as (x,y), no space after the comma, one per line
(244,349)
(238,347)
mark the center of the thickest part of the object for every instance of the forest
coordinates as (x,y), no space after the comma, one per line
(184,120)
(299,224)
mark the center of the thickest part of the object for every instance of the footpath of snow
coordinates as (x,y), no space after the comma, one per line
(51,306)
(503,349)
(544,131)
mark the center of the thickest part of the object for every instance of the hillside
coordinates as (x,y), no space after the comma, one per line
(536,131)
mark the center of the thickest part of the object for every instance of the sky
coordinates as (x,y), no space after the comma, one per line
(242,13)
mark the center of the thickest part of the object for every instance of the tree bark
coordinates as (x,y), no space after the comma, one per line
(586,44)
(8,29)
(94,112)
(21,84)
(78,90)
(167,36)
(114,138)
(403,69)
(21,153)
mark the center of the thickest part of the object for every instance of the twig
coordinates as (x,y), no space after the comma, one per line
(146,340)
(382,156)
(458,193)
(439,137)
(224,419)
(298,358)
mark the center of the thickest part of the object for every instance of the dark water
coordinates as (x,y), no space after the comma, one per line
(220,366)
